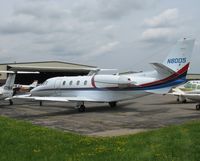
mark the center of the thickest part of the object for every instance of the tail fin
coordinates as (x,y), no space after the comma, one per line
(173,70)
(180,55)
(34,84)
(10,81)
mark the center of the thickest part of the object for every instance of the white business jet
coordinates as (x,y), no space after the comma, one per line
(114,88)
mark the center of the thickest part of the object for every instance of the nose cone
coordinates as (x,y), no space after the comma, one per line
(34,91)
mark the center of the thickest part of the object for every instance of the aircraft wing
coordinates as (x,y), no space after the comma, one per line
(55,99)
(177,92)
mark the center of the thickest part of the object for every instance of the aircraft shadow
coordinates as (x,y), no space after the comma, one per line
(72,111)
(169,103)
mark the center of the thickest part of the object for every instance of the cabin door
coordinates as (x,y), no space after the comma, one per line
(58,87)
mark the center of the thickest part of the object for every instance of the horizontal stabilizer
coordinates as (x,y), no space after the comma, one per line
(162,69)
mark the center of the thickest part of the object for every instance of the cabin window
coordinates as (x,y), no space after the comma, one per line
(64,83)
(78,82)
(70,83)
(188,85)
(85,82)
(198,87)
(194,86)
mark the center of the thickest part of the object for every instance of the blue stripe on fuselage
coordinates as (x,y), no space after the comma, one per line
(169,84)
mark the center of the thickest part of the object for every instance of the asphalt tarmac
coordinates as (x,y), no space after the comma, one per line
(145,113)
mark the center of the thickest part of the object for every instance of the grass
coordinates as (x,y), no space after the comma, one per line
(22,141)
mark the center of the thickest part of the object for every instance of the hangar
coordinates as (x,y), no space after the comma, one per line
(46,69)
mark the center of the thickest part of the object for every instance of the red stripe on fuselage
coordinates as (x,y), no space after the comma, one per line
(181,71)
(92,82)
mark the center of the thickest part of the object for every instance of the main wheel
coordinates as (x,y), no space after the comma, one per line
(81,108)
(198,107)
(113,104)
(11,102)
(41,103)
(184,101)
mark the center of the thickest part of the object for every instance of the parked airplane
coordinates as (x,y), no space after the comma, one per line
(6,91)
(19,88)
(190,90)
(114,88)
(180,91)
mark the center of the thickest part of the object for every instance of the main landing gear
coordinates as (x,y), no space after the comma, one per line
(41,103)
(112,104)
(10,102)
(198,107)
(181,99)
(80,106)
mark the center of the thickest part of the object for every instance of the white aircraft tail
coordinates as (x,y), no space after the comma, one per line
(180,55)
(34,84)
(173,70)
(10,82)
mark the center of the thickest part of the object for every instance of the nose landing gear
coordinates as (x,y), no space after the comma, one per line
(80,106)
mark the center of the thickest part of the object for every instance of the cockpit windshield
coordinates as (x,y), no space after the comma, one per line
(45,83)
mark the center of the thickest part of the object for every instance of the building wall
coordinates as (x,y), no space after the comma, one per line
(3,76)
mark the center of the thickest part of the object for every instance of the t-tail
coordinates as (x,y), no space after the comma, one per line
(172,72)
(10,82)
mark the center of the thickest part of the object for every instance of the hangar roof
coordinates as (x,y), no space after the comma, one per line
(48,66)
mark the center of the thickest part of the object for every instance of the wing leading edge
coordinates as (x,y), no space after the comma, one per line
(55,99)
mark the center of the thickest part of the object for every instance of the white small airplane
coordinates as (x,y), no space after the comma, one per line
(190,90)
(19,88)
(180,91)
(114,88)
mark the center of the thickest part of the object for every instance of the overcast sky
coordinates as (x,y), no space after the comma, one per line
(122,34)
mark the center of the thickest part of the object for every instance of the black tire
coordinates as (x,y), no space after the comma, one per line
(113,104)
(41,103)
(198,107)
(11,102)
(81,108)
(184,101)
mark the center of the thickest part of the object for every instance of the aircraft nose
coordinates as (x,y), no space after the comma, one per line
(33,91)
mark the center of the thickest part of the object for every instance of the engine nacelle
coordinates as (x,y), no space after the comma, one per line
(112,81)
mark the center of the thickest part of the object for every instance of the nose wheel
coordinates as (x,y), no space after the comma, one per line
(81,106)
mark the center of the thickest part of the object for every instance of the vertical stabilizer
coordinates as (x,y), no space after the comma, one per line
(180,55)
(10,81)
(173,70)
